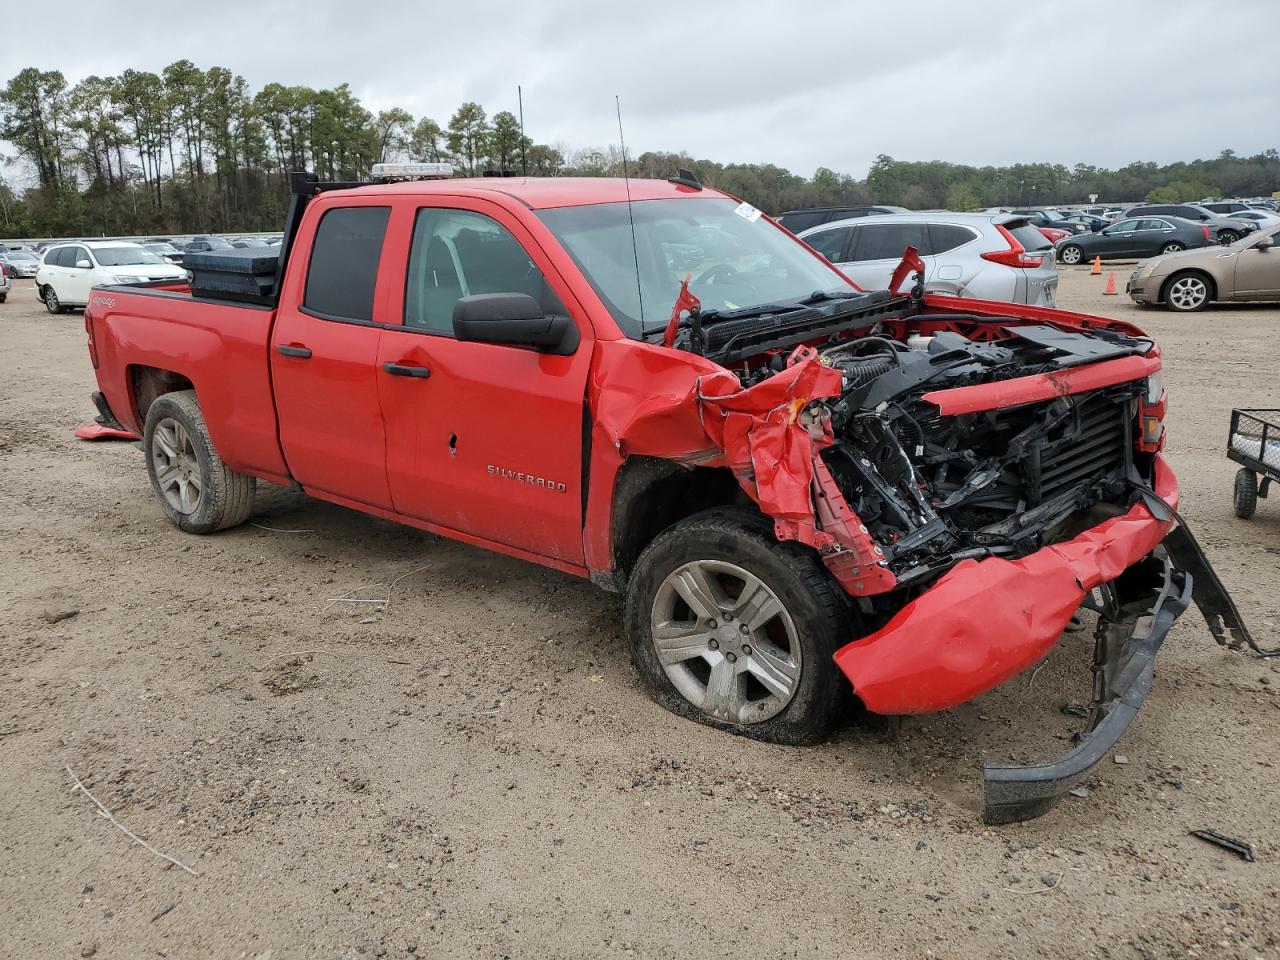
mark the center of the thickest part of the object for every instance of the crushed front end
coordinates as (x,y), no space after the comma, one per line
(972,474)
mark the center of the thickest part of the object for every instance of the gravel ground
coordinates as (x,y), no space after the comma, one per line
(470,767)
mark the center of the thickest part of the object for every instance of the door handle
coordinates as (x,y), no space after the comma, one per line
(406,370)
(292,350)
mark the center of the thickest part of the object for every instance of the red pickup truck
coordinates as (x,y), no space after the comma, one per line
(802,488)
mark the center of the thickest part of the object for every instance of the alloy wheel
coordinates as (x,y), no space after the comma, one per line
(1173,247)
(177,466)
(1188,293)
(725,641)
(1072,255)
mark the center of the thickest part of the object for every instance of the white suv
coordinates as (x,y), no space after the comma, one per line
(71,270)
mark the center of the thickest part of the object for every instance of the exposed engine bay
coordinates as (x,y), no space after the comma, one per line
(934,489)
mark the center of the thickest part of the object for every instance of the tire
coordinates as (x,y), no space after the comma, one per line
(1173,246)
(1246,493)
(1187,292)
(793,693)
(175,438)
(1227,237)
(51,301)
(1071,254)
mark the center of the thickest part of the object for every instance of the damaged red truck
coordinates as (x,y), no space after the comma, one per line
(805,491)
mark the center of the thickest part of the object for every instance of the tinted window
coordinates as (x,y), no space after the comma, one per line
(887,241)
(77,254)
(456,253)
(1126,226)
(830,243)
(344,262)
(53,258)
(802,220)
(1028,236)
(946,236)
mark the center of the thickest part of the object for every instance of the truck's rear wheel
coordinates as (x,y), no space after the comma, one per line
(731,628)
(197,491)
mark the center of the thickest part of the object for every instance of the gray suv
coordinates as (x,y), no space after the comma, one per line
(987,256)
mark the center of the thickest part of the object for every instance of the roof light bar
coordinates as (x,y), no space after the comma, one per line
(412,171)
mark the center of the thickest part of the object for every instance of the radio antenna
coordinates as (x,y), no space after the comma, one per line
(626,179)
(524,156)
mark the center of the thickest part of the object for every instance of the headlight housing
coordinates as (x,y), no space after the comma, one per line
(1149,268)
(127,278)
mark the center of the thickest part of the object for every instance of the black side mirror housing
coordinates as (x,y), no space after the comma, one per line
(513,320)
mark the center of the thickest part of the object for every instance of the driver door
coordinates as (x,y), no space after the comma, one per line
(1120,240)
(484,439)
(1258,271)
(74,289)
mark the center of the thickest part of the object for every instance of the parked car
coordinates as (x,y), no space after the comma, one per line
(505,367)
(1262,217)
(165,249)
(1091,222)
(1247,270)
(4,286)
(70,270)
(1135,238)
(1050,218)
(797,220)
(19,263)
(206,244)
(1053,234)
(244,243)
(1224,229)
(991,257)
(1227,208)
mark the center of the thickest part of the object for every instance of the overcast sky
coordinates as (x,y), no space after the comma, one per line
(799,84)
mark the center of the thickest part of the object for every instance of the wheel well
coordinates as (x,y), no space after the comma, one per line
(1213,287)
(148,383)
(652,494)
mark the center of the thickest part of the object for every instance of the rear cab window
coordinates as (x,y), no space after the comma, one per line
(343,271)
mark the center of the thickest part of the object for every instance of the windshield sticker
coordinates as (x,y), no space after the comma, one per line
(747,212)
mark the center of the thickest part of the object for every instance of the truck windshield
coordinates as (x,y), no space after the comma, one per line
(125,256)
(735,262)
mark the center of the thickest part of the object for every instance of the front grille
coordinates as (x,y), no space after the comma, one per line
(1093,442)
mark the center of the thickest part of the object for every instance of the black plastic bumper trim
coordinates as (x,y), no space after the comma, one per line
(105,417)
(1014,793)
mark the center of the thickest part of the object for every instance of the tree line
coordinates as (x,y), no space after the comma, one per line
(188,150)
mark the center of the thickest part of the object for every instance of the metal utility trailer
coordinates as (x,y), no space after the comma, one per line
(1254,443)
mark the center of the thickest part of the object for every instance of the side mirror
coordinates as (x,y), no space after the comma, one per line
(83,265)
(514,320)
(1265,244)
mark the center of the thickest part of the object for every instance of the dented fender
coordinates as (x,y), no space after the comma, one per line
(689,410)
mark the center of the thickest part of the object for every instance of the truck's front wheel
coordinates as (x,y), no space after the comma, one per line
(197,491)
(731,628)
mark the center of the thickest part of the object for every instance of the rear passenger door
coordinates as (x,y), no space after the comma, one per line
(878,248)
(324,350)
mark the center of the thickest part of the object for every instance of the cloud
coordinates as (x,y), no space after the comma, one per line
(800,84)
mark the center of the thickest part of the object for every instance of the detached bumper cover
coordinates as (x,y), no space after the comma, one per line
(1124,664)
(988,620)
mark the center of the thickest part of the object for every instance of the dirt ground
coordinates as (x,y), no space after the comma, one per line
(470,768)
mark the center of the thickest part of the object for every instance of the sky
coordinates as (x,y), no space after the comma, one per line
(798,84)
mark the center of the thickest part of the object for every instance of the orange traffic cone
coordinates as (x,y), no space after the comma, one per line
(1097,267)
(1111,284)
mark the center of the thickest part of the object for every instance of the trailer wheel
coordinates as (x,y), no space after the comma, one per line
(731,628)
(1246,493)
(197,491)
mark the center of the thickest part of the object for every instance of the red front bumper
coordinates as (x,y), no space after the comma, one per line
(986,620)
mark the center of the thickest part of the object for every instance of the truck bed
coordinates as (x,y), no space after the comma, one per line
(162,336)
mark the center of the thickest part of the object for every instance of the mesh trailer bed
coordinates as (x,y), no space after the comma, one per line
(1254,443)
